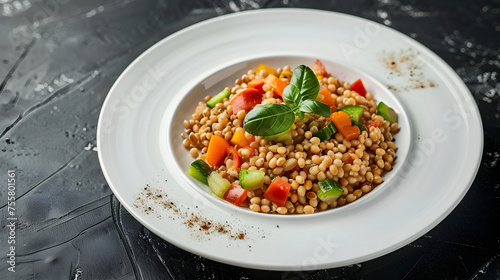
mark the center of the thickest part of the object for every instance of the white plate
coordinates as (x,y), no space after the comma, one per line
(439,145)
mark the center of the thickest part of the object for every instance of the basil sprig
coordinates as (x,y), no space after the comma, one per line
(299,97)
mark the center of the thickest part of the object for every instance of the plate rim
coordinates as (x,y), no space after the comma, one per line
(451,73)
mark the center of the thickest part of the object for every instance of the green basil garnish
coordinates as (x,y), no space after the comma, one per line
(269,120)
(315,107)
(306,81)
(299,97)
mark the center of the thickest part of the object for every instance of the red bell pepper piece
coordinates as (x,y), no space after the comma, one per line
(358,87)
(233,153)
(374,124)
(318,68)
(277,191)
(235,194)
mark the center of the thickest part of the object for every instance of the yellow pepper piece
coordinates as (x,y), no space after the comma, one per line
(269,70)
(286,74)
(239,139)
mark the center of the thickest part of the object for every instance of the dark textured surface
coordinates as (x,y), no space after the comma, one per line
(59,58)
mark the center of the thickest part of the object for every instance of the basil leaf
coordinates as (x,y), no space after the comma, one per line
(306,82)
(299,97)
(268,120)
(315,107)
(291,95)
(299,114)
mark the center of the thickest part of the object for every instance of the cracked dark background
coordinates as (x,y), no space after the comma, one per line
(59,58)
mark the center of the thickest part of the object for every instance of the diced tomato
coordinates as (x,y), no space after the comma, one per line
(257,84)
(246,100)
(319,69)
(358,87)
(374,124)
(277,191)
(235,194)
(233,153)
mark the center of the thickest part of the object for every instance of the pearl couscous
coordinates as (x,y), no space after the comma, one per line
(302,159)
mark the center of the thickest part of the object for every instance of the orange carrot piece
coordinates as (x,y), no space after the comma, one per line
(327,97)
(350,132)
(257,84)
(217,150)
(343,124)
(340,119)
(277,84)
(246,100)
(240,140)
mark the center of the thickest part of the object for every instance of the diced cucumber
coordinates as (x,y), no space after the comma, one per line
(218,98)
(360,125)
(218,184)
(329,190)
(200,170)
(354,112)
(287,135)
(326,132)
(387,112)
(251,179)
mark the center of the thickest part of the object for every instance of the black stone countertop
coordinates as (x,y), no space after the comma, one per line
(58,60)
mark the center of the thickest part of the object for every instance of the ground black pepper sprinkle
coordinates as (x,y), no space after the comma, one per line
(153,201)
(405,65)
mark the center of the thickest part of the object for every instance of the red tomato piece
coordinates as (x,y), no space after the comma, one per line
(257,84)
(246,100)
(358,87)
(235,194)
(319,69)
(277,191)
(374,124)
(233,153)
